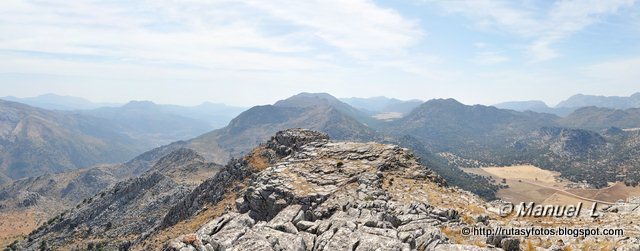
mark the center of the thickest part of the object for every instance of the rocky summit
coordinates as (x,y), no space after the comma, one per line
(316,194)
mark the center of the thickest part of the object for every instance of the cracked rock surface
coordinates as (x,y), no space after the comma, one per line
(323,195)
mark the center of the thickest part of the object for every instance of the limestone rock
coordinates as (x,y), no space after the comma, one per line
(323,195)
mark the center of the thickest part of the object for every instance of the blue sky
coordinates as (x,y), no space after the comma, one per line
(256,52)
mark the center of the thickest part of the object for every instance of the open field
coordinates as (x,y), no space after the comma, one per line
(523,172)
(388,116)
(528,183)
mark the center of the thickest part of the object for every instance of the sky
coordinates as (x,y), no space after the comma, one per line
(256,52)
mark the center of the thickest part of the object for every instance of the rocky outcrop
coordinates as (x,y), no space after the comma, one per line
(322,195)
(127,212)
(183,157)
(571,142)
(213,190)
(285,142)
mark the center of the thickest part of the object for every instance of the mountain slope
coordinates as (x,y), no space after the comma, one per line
(308,100)
(36,141)
(31,201)
(598,118)
(113,215)
(497,137)
(447,125)
(148,123)
(216,115)
(312,111)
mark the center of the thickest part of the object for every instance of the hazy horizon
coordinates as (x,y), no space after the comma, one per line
(255,52)
(250,105)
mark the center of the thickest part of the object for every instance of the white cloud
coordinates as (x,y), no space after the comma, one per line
(480,45)
(542,28)
(206,35)
(621,72)
(488,58)
(360,28)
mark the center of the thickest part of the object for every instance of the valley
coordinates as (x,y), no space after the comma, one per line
(527,183)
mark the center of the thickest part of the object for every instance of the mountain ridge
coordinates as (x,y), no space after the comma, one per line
(52,101)
(617,102)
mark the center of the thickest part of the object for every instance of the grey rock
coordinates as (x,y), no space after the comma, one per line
(510,244)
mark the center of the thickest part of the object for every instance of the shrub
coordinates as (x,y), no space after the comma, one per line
(43,245)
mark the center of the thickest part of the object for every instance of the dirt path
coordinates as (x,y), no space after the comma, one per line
(568,193)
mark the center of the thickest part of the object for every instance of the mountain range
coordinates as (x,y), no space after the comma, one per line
(615,102)
(52,101)
(437,126)
(597,145)
(215,115)
(574,102)
(35,141)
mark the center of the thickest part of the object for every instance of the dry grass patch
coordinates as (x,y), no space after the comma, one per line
(453,234)
(523,172)
(529,246)
(257,161)
(16,225)
(597,246)
(300,185)
(480,243)
(406,190)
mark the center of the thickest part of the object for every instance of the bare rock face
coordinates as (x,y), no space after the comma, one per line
(125,212)
(291,140)
(322,195)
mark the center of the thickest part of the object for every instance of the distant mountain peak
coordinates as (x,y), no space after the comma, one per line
(443,101)
(139,104)
(314,100)
(306,99)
